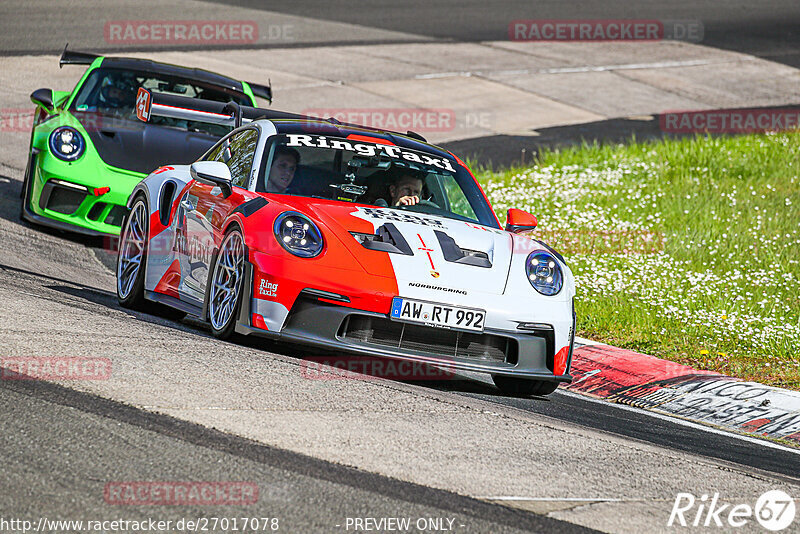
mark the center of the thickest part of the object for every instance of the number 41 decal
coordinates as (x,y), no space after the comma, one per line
(143,98)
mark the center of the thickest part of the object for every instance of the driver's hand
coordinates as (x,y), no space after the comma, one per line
(407,201)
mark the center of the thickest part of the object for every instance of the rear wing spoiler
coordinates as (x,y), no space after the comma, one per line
(73,57)
(264,91)
(150,104)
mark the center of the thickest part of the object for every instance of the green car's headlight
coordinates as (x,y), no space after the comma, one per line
(544,273)
(67,143)
(298,234)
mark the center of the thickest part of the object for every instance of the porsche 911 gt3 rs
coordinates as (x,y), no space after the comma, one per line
(300,229)
(88,151)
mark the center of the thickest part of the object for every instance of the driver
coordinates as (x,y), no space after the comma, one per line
(405,190)
(281,172)
(118,94)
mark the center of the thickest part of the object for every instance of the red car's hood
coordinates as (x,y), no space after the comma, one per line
(439,251)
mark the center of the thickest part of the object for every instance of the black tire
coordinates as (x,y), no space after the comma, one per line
(523,387)
(134,297)
(224,326)
(25,192)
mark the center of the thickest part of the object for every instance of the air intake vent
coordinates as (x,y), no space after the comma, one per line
(96,211)
(116,215)
(455,254)
(424,339)
(387,239)
(62,197)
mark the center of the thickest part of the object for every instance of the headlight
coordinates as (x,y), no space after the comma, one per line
(66,143)
(298,234)
(544,273)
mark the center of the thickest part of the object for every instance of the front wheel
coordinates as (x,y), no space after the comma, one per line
(523,387)
(225,288)
(132,256)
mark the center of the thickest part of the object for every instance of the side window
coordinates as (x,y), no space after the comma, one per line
(237,153)
(214,155)
(239,156)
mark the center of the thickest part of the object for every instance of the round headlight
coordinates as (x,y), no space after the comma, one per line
(544,273)
(298,234)
(66,143)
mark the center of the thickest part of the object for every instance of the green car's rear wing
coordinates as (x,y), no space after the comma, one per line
(72,57)
(264,91)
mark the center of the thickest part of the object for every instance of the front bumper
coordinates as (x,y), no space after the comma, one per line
(62,196)
(334,330)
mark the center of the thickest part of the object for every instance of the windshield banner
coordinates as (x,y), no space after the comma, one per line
(368,149)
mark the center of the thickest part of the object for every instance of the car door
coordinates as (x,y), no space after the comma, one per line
(207,209)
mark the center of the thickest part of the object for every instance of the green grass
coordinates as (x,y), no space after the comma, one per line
(702,260)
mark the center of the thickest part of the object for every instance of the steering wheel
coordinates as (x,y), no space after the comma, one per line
(421,204)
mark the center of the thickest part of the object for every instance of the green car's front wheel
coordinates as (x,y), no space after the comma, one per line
(132,256)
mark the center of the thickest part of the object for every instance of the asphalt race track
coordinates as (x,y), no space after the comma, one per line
(182,406)
(765,30)
(53,437)
(768,30)
(61,445)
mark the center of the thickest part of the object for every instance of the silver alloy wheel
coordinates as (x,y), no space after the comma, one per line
(226,280)
(131,250)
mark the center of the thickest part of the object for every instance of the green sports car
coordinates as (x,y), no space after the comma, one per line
(88,150)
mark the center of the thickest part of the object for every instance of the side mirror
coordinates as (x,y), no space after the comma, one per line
(214,173)
(520,221)
(44,99)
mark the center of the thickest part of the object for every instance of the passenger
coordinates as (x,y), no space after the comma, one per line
(281,173)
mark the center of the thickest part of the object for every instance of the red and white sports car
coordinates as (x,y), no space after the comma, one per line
(348,239)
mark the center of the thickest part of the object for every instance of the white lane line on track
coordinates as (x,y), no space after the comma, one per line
(551,499)
(586,68)
(434,75)
(683,422)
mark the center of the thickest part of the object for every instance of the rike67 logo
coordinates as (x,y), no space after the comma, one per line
(774,511)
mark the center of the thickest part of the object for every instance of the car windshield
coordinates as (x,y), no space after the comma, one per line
(362,171)
(111,91)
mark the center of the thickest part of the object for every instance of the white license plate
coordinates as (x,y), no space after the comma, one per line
(440,315)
